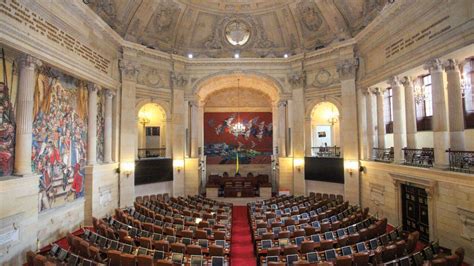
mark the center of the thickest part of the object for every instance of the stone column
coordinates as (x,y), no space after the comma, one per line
(440,113)
(194,128)
(455,105)
(282,127)
(128,129)
(349,130)
(109,94)
(92,124)
(24,114)
(369,105)
(308,138)
(362,120)
(275,129)
(179,136)
(169,135)
(200,126)
(298,132)
(399,124)
(410,112)
(380,117)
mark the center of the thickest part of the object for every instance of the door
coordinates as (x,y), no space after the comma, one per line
(415,211)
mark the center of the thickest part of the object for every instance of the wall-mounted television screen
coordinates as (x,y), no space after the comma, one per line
(153,170)
(324,169)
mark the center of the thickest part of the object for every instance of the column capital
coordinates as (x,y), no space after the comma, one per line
(379,91)
(129,69)
(451,65)
(109,93)
(297,79)
(407,81)
(366,91)
(434,64)
(282,103)
(92,87)
(394,81)
(347,68)
(26,60)
(179,80)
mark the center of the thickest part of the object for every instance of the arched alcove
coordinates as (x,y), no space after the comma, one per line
(325,125)
(151,125)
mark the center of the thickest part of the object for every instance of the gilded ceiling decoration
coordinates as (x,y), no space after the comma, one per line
(254,28)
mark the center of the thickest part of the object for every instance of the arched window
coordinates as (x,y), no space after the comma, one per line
(424,104)
(468,94)
(388,110)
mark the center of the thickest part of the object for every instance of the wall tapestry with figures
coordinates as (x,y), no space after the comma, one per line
(8,89)
(223,147)
(59,137)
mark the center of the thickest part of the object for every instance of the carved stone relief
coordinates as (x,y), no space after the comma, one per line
(309,16)
(467,223)
(150,77)
(323,78)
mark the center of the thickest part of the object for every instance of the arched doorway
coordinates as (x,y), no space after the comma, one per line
(152,131)
(248,98)
(325,128)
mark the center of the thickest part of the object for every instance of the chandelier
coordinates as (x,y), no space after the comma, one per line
(333,117)
(238,128)
(144,117)
(419,93)
(465,87)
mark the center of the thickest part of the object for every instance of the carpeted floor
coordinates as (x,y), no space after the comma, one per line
(241,252)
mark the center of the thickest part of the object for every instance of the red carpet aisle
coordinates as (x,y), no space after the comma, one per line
(241,252)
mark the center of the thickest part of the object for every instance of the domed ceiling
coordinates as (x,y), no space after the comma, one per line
(254,28)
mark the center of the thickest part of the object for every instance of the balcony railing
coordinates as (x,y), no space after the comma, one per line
(326,152)
(423,157)
(151,153)
(383,155)
(461,161)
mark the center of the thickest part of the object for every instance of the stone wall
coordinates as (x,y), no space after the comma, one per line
(450,196)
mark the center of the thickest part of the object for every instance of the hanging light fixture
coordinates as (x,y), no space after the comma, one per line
(419,93)
(333,117)
(238,128)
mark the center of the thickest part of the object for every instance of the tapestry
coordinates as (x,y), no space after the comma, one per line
(8,85)
(100,125)
(222,146)
(59,137)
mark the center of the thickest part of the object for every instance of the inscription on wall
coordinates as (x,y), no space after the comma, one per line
(34,22)
(426,34)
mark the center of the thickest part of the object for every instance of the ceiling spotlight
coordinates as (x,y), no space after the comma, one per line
(190,56)
(285,55)
(236,56)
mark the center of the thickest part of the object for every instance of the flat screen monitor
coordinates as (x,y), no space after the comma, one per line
(324,169)
(361,247)
(291,258)
(266,244)
(158,255)
(177,258)
(272,258)
(312,257)
(330,254)
(197,260)
(217,261)
(316,238)
(373,244)
(283,242)
(346,251)
(299,240)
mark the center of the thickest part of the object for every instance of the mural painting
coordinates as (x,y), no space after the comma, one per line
(253,147)
(59,137)
(100,125)
(8,84)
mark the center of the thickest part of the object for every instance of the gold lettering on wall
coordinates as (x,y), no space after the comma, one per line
(34,22)
(426,34)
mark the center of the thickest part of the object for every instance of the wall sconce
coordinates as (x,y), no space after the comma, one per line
(127,168)
(299,163)
(178,164)
(351,166)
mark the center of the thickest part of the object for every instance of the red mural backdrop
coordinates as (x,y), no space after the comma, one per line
(223,147)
